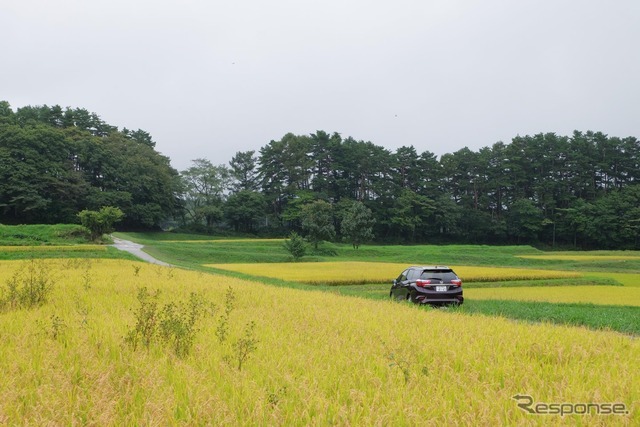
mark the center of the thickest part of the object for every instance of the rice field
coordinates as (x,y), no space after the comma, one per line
(602,295)
(354,272)
(625,279)
(321,359)
(54,248)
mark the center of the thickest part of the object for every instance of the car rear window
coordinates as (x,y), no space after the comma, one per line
(444,275)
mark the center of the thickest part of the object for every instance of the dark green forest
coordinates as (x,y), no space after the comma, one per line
(55,163)
(576,191)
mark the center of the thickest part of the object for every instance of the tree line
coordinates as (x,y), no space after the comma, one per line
(579,190)
(55,163)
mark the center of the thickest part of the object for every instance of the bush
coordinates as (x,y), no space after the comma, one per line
(178,323)
(245,345)
(29,287)
(76,233)
(296,246)
(146,319)
(100,222)
(174,325)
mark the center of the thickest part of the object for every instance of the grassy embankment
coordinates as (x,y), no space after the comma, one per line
(52,241)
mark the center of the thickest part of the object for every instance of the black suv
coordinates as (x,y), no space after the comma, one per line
(428,285)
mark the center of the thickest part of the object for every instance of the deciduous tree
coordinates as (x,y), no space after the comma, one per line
(317,222)
(357,224)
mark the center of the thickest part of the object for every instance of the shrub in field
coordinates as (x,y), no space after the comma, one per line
(325,250)
(296,246)
(403,359)
(223,327)
(29,287)
(146,326)
(55,329)
(245,345)
(178,323)
(76,233)
(100,222)
(403,364)
(175,325)
(86,276)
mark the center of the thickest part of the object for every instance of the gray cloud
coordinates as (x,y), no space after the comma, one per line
(209,78)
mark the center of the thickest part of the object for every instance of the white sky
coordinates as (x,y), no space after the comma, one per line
(208,78)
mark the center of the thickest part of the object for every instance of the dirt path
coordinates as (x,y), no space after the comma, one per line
(136,249)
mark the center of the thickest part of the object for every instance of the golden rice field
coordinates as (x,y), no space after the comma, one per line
(322,359)
(603,295)
(54,248)
(378,272)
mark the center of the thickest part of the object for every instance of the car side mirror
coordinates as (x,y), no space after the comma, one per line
(395,282)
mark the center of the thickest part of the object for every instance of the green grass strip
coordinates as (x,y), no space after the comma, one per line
(106,252)
(623,319)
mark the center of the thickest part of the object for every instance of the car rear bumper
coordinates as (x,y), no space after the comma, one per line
(432,297)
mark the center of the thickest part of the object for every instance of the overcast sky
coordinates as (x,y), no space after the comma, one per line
(208,78)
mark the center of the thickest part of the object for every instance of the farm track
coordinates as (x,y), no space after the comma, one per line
(136,250)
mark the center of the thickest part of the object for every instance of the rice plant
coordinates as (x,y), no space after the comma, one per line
(321,359)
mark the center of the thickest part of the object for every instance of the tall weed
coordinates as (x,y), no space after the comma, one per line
(29,287)
(245,345)
(223,327)
(178,323)
(147,320)
(174,325)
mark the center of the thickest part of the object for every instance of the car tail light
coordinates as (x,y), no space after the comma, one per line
(456,282)
(422,283)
